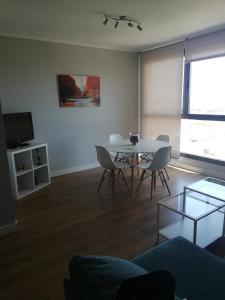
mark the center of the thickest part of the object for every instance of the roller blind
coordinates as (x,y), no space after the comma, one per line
(161,80)
(205,46)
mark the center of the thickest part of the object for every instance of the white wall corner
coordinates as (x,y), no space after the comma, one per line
(74,169)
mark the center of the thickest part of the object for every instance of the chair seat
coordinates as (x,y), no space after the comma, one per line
(120,165)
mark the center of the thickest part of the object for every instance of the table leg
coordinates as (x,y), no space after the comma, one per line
(137,162)
(158,208)
(195,232)
(132,174)
(223,233)
(184,200)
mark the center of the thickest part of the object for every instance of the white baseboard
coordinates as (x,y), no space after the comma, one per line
(188,164)
(8,228)
(74,169)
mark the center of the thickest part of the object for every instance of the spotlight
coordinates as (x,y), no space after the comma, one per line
(106,21)
(139,27)
(116,24)
(130,24)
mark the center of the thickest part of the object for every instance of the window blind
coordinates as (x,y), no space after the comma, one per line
(161,80)
(205,46)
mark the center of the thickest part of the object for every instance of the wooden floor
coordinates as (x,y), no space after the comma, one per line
(68,218)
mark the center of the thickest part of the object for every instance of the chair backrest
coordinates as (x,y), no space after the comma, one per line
(163,138)
(161,158)
(104,158)
(115,138)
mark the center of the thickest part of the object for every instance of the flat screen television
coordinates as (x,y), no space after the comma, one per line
(18,129)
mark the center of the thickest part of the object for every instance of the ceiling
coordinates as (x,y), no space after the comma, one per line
(80,21)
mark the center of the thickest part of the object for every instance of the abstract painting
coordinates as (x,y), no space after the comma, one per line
(78,90)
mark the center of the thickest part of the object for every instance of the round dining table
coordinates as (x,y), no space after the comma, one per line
(144,146)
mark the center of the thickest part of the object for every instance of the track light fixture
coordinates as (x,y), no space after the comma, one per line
(130,21)
(116,24)
(139,27)
(106,21)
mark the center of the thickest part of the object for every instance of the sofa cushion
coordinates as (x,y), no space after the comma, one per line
(99,277)
(199,275)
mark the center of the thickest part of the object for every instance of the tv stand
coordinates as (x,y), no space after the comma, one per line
(23,145)
(29,168)
(17,145)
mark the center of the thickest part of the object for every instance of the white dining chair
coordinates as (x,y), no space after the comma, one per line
(154,168)
(115,138)
(111,168)
(149,157)
(163,138)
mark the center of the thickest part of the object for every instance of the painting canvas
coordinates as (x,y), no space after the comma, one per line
(79,90)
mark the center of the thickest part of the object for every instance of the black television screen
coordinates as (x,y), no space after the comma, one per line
(18,128)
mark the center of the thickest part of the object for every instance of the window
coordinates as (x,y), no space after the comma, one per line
(203,119)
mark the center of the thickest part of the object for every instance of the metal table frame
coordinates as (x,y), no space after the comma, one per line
(194,219)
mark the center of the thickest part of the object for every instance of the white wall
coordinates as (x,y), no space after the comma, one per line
(28,83)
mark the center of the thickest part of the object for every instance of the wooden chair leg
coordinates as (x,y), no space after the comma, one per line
(160,175)
(137,162)
(152,185)
(101,181)
(124,178)
(167,175)
(112,181)
(116,157)
(141,179)
(154,180)
(164,178)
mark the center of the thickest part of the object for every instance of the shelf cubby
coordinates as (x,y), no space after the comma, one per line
(23,162)
(29,169)
(41,176)
(39,156)
(25,184)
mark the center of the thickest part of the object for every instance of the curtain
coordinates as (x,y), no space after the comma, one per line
(205,46)
(161,81)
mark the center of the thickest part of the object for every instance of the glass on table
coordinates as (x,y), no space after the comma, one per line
(134,138)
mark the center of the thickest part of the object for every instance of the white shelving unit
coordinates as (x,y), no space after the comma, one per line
(29,169)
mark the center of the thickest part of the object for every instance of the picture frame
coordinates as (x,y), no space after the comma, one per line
(78,90)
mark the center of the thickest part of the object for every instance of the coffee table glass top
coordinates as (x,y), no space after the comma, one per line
(210,186)
(192,205)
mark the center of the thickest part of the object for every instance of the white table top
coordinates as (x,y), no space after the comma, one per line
(143,146)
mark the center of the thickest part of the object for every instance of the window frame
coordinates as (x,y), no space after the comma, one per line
(186,99)
(205,117)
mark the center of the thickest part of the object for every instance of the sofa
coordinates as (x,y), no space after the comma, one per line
(198,274)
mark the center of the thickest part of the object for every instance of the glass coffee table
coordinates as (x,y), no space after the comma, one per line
(196,214)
